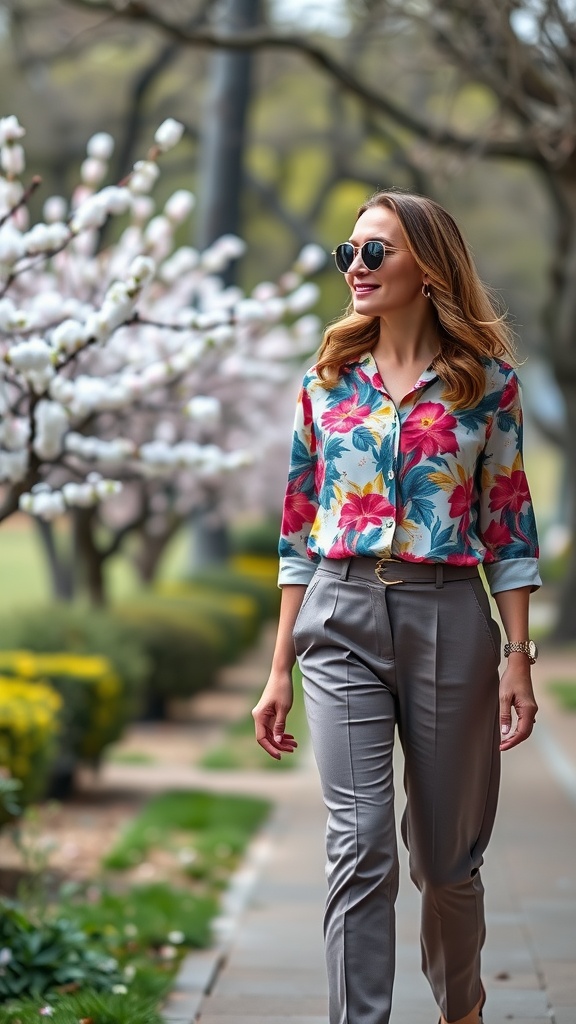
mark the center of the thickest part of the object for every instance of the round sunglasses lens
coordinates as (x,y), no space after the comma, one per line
(373,254)
(344,256)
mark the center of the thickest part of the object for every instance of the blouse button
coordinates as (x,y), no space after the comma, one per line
(390,474)
(389,523)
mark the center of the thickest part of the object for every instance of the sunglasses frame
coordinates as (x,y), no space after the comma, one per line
(360,249)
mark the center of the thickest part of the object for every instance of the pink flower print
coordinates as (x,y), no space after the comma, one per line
(496,535)
(346,415)
(509,492)
(361,511)
(298,509)
(460,500)
(428,430)
(509,394)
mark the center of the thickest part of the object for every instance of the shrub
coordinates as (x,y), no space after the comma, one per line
(257,538)
(236,615)
(74,629)
(184,652)
(44,957)
(29,725)
(93,704)
(230,579)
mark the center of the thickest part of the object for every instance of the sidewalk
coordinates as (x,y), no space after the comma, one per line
(274,970)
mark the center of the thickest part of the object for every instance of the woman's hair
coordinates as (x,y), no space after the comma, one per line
(469,325)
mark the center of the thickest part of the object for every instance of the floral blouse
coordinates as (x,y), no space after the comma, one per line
(422,482)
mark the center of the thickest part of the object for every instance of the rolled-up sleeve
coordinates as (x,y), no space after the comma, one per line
(300,501)
(507,526)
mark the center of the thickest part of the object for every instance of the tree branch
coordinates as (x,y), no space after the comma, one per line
(263,38)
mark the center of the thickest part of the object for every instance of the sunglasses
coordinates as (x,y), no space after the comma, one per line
(372,254)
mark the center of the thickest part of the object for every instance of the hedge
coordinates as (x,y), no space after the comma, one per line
(29,727)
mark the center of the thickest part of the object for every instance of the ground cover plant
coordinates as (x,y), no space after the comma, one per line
(107,950)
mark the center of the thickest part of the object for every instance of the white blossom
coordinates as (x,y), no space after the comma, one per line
(205,409)
(180,262)
(51,422)
(33,355)
(55,208)
(69,336)
(93,171)
(143,177)
(100,146)
(13,465)
(12,246)
(79,495)
(14,432)
(45,505)
(180,205)
(12,160)
(45,238)
(303,298)
(310,259)
(168,134)
(10,129)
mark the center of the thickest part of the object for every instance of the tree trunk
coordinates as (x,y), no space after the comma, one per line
(222,148)
(223,135)
(89,560)
(560,320)
(60,567)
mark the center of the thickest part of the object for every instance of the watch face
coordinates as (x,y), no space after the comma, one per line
(532,650)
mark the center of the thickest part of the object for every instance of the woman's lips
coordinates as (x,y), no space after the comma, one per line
(364,289)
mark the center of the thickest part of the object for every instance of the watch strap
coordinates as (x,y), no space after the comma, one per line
(520,646)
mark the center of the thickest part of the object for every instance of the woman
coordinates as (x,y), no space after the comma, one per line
(406,474)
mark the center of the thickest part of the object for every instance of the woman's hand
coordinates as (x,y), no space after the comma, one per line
(516,692)
(270,716)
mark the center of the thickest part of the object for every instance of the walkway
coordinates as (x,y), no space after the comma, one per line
(273,969)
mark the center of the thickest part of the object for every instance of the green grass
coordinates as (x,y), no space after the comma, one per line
(99,1008)
(211,829)
(129,757)
(239,750)
(564,691)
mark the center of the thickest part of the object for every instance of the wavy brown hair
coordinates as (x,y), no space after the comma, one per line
(469,326)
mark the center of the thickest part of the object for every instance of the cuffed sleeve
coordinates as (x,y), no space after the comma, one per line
(512,574)
(300,501)
(506,523)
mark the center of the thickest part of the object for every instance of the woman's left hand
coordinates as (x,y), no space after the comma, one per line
(516,692)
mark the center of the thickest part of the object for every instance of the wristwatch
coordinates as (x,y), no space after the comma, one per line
(527,647)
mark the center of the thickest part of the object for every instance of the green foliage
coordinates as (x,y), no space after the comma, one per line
(29,725)
(75,629)
(101,1008)
(257,538)
(210,818)
(45,956)
(260,586)
(144,916)
(93,703)
(183,650)
(235,614)
(9,801)
(565,692)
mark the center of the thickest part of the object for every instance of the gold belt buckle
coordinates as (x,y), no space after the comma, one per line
(380,565)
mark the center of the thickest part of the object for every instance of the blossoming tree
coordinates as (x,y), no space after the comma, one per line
(128,373)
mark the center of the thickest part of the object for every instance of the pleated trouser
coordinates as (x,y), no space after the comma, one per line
(422,658)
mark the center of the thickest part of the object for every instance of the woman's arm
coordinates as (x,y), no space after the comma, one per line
(516,685)
(276,700)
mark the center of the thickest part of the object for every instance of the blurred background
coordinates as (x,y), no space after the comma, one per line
(293,112)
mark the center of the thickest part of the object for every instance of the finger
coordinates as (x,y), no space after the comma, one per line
(505,713)
(523,730)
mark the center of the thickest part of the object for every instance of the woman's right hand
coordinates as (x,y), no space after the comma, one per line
(270,716)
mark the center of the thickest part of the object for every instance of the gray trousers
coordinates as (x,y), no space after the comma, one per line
(422,656)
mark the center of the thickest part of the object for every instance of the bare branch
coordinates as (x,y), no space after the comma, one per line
(263,38)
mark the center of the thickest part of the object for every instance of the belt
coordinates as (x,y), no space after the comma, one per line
(390,571)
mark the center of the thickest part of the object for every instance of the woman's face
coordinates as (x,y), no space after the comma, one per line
(397,284)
